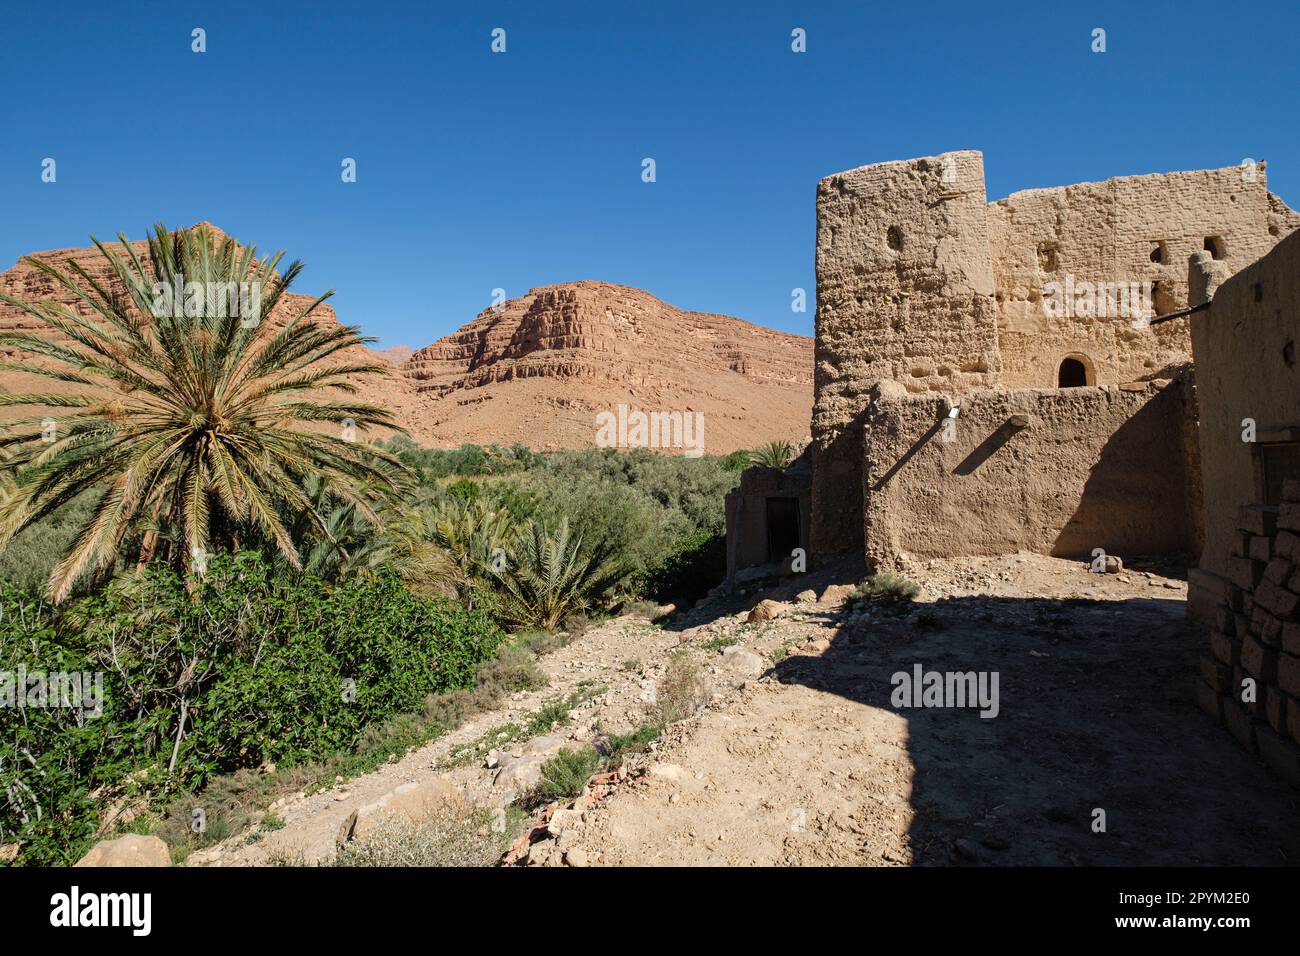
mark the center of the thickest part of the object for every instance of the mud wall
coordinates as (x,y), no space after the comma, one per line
(746,513)
(1250,677)
(904,293)
(1126,232)
(1051,471)
(1245,348)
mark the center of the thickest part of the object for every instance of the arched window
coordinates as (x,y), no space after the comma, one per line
(1072,374)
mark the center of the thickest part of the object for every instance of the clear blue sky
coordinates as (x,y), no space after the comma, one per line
(479,170)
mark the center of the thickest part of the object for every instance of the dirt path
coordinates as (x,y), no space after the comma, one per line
(801,757)
(814,765)
(601,658)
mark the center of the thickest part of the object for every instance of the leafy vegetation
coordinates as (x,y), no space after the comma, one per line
(565,774)
(552,577)
(886,588)
(195,424)
(193,523)
(254,668)
(774,454)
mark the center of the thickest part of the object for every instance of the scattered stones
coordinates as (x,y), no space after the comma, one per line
(564,820)
(128,851)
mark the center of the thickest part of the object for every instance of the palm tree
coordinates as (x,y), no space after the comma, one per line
(775,454)
(197,422)
(552,577)
(475,535)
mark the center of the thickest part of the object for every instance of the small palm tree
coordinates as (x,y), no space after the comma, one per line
(196,422)
(552,577)
(774,454)
(476,536)
(406,544)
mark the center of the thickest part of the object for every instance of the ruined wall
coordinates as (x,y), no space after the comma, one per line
(1051,471)
(1250,679)
(746,512)
(1246,367)
(904,293)
(1128,230)
(921,283)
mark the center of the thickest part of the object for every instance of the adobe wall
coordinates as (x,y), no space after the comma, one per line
(1245,348)
(746,513)
(1082,468)
(904,293)
(1107,232)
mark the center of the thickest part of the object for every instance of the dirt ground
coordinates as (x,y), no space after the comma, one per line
(813,765)
(802,758)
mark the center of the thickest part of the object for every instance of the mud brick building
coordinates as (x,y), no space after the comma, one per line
(968,402)
(1247,582)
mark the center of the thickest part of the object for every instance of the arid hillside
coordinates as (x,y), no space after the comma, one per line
(539,368)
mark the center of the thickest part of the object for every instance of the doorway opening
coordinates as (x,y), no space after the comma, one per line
(782,527)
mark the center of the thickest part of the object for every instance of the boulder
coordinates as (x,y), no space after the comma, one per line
(740,665)
(128,851)
(837,594)
(806,597)
(411,802)
(519,773)
(766,611)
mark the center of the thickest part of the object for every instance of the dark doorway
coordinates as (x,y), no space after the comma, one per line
(782,527)
(1072,374)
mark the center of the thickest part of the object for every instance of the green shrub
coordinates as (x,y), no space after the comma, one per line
(773,454)
(565,774)
(552,576)
(693,565)
(251,667)
(886,588)
(638,741)
(465,490)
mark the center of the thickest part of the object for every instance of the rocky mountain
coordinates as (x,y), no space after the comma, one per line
(540,368)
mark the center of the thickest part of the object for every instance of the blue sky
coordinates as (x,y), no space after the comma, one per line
(478,170)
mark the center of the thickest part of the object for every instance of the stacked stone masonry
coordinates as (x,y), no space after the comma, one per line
(1250,679)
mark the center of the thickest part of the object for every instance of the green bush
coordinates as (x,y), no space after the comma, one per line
(465,489)
(250,667)
(886,588)
(52,759)
(695,563)
(565,774)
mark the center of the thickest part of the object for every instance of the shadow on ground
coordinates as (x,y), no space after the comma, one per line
(1095,712)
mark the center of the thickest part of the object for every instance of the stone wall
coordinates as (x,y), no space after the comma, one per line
(1246,368)
(1250,679)
(1055,471)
